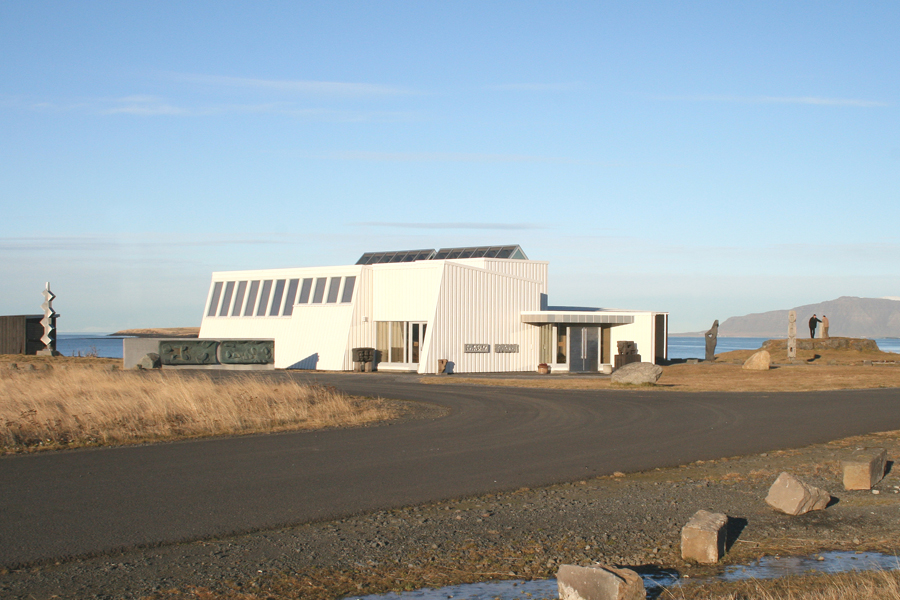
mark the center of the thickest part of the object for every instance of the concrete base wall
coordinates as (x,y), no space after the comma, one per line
(134,349)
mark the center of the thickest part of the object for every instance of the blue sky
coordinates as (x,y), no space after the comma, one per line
(705,159)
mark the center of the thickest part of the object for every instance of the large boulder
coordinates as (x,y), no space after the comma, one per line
(759,361)
(791,496)
(150,360)
(637,373)
(599,582)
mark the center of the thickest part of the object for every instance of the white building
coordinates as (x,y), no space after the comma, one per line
(483,309)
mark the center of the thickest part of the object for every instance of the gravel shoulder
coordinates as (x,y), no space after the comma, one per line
(628,519)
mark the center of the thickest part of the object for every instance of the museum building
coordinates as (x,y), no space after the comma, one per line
(482,309)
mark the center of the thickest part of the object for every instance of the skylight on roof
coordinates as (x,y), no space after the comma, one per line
(402,256)
(512,252)
(398,256)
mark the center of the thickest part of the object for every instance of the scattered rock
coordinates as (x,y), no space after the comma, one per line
(864,468)
(791,496)
(149,361)
(703,538)
(599,582)
(637,373)
(760,361)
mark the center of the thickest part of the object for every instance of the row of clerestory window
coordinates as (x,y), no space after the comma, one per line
(276,297)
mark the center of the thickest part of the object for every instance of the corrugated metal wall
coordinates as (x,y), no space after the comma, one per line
(476,306)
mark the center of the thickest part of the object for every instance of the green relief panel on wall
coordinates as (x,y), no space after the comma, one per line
(188,352)
(247,352)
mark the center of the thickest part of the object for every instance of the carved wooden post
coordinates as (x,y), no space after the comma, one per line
(792,335)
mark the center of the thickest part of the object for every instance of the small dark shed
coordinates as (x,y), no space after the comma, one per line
(21,334)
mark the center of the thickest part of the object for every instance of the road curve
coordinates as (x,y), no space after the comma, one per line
(59,505)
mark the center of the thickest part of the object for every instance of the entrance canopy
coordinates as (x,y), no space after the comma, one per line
(572,317)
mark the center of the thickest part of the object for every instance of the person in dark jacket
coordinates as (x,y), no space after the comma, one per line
(813,321)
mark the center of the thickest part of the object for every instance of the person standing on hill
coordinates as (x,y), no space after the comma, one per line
(824,326)
(813,321)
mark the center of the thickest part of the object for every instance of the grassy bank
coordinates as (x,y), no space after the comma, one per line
(825,370)
(73,406)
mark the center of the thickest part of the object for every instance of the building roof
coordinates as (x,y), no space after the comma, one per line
(397,256)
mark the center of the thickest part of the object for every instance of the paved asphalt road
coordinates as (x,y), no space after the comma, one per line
(94,501)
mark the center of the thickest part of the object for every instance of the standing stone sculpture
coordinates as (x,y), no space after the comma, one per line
(712,337)
(49,323)
(792,335)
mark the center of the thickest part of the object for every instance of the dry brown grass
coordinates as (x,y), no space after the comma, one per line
(722,376)
(78,406)
(869,585)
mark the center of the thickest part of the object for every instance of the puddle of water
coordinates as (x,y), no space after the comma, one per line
(769,567)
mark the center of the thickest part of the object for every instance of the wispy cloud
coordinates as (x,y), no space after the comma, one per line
(535,87)
(332,88)
(453,157)
(155,106)
(452,225)
(811,100)
(107,243)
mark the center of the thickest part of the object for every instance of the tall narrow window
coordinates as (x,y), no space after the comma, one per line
(397,341)
(226,299)
(276,298)
(382,341)
(414,340)
(251,298)
(349,283)
(562,341)
(264,298)
(319,293)
(239,299)
(214,301)
(291,296)
(333,290)
(304,291)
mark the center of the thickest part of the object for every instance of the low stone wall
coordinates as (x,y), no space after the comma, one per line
(835,343)
(134,349)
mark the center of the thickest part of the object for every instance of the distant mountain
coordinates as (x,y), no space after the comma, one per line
(848,316)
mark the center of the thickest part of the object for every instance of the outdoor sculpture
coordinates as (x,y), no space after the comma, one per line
(188,352)
(792,335)
(246,352)
(49,323)
(711,338)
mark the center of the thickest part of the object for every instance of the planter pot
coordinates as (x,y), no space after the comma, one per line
(544,369)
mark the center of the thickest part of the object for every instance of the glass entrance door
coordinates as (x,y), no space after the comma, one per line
(399,341)
(583,346)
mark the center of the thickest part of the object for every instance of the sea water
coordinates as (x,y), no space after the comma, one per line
(695,347)
(71,344)
(89,344)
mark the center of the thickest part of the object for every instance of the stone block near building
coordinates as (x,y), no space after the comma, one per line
(759,361)
(703,537)
(864,468)
(150,361)
(637,373)
(793,497)
(599,582)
